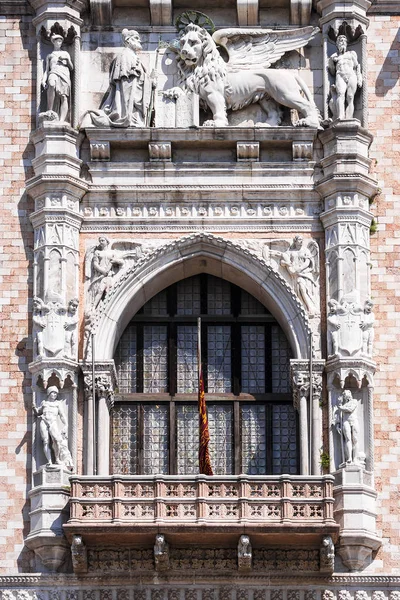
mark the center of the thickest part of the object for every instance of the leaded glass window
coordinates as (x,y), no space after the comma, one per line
(246,358)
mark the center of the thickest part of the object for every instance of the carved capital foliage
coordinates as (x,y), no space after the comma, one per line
(105,380)
(300,373)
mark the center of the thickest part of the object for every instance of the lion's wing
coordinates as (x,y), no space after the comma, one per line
(249,49)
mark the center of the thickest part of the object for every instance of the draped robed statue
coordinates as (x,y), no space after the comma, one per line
(128,98)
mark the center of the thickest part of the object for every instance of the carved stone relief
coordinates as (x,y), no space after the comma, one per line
(161,553)
(130,98)
(244,554)
(327,555)
(300,266)
(231,85)
(54,328)
(350,327)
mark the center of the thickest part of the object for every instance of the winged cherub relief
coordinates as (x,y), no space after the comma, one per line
(247,77)
(299,263)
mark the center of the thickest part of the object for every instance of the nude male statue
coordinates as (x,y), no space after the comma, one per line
(49,412)
(348,426)
(345,66)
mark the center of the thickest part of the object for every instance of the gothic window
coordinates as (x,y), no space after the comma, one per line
(245,355)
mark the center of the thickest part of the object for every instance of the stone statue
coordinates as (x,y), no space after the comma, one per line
(102,263)
(367,326)
(301,264)
(244,554)
(333,328)
(54,436)
(161,553)
(246,78)
(347,426)
(39,321)
(344,66)
(70,326)
(129,96)
(327,555)
(57,80)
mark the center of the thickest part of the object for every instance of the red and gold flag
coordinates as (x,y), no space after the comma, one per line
(205,467)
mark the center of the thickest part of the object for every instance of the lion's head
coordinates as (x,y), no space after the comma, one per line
(198,57)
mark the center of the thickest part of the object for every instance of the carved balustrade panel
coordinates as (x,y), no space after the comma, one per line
(197,499)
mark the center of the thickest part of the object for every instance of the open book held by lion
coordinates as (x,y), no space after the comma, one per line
(246,78)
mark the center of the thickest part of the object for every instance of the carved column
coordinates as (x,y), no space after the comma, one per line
(307,403)
(97,415)
(347,189)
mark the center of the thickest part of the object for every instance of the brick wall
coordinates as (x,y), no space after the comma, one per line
(384,123)
(17,49)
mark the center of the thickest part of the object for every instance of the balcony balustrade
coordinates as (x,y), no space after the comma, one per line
(263,505)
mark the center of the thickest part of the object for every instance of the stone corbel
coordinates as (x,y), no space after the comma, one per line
(161,12)
(247,11)
(97,415)
(79,555)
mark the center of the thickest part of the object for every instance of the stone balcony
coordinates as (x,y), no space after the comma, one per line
(131,509)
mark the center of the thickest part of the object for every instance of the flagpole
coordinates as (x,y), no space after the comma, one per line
(205,467)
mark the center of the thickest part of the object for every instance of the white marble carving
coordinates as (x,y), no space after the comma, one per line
(53,429)
(246,78)
(367,326)
(161,553)
(57,81)
(347,426)
(344,66)
(79,555)
(300,263)
(70,326)
(350,327)
(128,102)
(102,263)
(245,554)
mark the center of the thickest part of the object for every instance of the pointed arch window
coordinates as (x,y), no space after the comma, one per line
(245,354)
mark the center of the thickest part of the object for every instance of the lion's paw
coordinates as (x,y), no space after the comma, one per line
(209,123)
(173,93)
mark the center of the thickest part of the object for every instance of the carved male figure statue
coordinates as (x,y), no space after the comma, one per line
(70,325)
(50,412)
(301,267)
(103,264)
(39,324)
(57,78)
(129,94)
(345,67)
(367,326)
(348,426)
(333,328)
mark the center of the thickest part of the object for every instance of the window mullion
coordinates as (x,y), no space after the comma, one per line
(268,358)
(140,437)
(139,359)
(172,358)
(237,439)
(172,439)
(236,359)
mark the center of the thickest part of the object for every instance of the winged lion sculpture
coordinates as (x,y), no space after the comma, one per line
(247,77)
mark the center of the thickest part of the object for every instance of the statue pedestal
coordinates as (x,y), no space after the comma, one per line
(355,511)
(55,147)
(49,511)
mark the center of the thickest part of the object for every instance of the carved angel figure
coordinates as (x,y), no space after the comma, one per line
(247,77)
(102,263)
(300,263)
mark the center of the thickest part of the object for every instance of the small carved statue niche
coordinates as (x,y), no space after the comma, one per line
(345,70)
(53,427)
(56,80)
